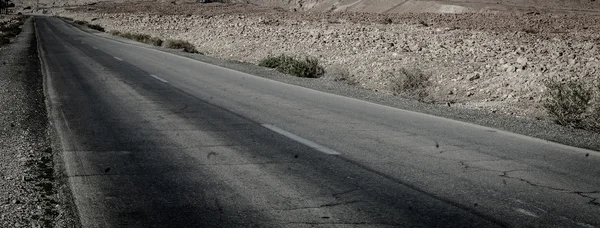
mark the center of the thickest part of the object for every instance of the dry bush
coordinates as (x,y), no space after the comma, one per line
(412,83)
(142,38)
(181,44)
(573,103)
(304,67)
(340,74)
(96,27)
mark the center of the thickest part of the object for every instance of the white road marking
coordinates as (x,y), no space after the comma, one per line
(301,140)
(117,58)
(526,212)
(160,79)
(94,47)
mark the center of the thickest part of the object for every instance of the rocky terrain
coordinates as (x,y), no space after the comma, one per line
(497,62)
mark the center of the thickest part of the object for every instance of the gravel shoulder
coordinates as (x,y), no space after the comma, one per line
(32,193)
(543,129)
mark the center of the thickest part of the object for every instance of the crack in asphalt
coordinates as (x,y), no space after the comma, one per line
(337,195)
(322,206)
(593,200)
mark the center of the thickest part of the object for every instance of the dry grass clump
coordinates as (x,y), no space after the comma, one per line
(304,67)
(573,103)
(412,83)
(142,38)
(9,30)
(181,44)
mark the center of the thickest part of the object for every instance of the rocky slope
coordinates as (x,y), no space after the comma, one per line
(491,61)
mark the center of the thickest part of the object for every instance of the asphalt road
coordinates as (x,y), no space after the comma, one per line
(152,139)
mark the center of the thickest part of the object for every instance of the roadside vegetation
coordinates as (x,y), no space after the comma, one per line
(85,23)
(304,67)
(573,103)
(11,29)
(181,44)
(147,39)
(412,83)
(142,38)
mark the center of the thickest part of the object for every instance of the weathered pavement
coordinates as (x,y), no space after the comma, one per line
(154,139)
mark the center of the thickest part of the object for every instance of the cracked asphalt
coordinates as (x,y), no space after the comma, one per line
(190,150)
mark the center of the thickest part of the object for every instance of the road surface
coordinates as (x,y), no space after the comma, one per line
(151,139)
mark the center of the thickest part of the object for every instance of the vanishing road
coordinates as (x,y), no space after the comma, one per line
(151,139)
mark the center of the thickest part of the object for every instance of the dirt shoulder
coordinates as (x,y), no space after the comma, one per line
(29,183)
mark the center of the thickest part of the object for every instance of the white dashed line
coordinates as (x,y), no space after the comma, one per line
(117,58)
(158,78)
(526,212)
(94,47)
(301,140)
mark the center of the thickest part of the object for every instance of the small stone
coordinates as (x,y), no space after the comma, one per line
(474,77)
(511,69)
(522,60)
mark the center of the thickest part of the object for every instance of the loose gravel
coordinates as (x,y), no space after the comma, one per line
(30,194)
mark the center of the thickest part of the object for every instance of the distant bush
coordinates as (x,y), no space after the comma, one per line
(65,18)
(81,22)
(180,44)
(304,67)
(572,103)
(385,21)
(142,38)
(96,27)
(10,30)
(341,74)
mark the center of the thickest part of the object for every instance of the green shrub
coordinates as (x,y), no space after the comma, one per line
(181,44)
(96,27)
(568,102)
(305,67)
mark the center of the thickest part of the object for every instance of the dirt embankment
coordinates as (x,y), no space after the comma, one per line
(497,62)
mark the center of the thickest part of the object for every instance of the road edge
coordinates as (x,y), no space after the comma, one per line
(63,188)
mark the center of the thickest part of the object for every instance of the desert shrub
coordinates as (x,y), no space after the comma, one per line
(81,22)
(181,44)
(413,83)
(340,74)
(305,67)
(4,40)
(11,29)
(96,27)
(142,38)
(66,18)
(385,21)
(568,102)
